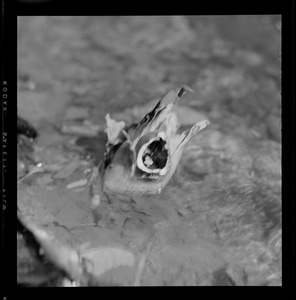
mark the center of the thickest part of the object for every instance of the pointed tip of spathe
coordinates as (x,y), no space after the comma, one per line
(183,89)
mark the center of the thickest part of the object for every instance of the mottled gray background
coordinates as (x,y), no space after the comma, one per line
(227,194)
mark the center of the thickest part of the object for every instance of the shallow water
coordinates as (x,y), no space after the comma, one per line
(218,221)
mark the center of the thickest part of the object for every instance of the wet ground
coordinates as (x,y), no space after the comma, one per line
(218,222)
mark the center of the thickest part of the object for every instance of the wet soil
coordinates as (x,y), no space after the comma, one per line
(218,222)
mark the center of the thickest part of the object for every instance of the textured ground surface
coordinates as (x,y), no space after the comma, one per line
(218,222)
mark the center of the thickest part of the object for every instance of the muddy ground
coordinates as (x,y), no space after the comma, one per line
(218,222)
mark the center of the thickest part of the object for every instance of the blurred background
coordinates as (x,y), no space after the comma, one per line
(110,63)
(72,68)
